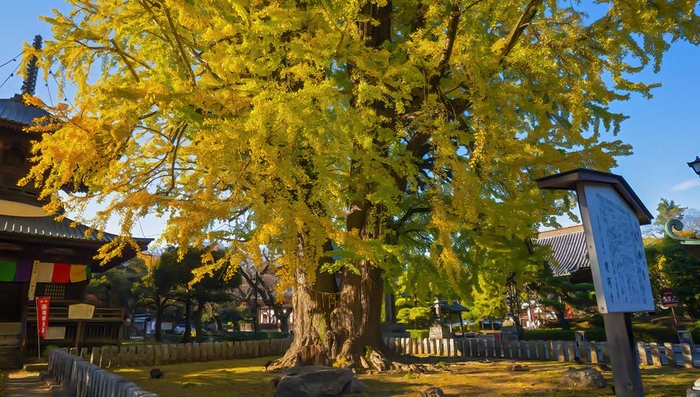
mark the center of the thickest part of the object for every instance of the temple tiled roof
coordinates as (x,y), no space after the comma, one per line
(569,254)
(48,227)
(14,111)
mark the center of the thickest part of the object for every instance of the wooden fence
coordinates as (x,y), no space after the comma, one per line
(655,354)
(151,355)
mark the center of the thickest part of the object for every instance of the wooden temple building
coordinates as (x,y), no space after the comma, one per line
(42,257)
(569,253)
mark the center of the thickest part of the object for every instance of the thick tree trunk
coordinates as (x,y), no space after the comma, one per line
(158,331)
(198,321)
(130,328)
(345,327)
(561,317)
(187,336)
(284,321)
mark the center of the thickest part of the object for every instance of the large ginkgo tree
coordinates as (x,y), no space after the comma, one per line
(378,139)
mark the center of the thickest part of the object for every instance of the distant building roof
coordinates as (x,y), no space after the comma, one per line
(569,253)
(12,110)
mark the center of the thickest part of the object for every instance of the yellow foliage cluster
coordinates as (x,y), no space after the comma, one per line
(408,132)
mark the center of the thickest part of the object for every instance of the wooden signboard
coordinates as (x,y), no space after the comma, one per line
(618,264)
(81,311)
(55,333)
(612,215)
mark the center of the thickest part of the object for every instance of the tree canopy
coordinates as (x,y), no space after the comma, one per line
(670,265)
(408,132)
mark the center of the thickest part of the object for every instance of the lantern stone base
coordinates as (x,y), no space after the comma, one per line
(439,331)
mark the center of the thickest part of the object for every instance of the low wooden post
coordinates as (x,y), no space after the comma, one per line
(489,348)
(583,351)
(670,354)
(594,352)
(524,354)
(515,347)
(123,357)
(95,356)
(655,354)
(642,353)
(104,357)
(561,356)
(551,355)
(687,355)
(570,350)
(605,352)
(532,348)
(114,357)
(498,346)
(541,350)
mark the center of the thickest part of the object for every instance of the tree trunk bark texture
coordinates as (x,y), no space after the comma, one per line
(187,335)
(158,331)
(198,321)
(345,327)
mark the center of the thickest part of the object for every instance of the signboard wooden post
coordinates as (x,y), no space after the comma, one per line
(612,214)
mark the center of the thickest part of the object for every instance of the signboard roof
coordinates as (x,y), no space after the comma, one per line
(568,181)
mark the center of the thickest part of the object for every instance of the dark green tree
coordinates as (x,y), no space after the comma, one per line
(162,287)
(178,276)
(672,267)
(114,287)
(666,210)
(558,292)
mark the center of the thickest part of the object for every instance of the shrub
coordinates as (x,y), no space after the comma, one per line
(694,328)
(650,332)
(47,349)
(418,333)
(592,334)
(237,336)
(644,332)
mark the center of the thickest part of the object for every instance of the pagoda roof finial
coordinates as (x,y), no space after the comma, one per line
(29,84)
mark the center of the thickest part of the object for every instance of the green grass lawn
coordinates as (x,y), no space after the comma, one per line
(247,377)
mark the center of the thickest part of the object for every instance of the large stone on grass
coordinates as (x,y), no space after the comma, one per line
(318,382)
(694,391)
(432,392)
(582,378)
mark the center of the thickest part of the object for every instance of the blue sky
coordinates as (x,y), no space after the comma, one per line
(663,130)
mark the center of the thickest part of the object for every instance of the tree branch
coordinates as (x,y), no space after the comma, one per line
(527,16)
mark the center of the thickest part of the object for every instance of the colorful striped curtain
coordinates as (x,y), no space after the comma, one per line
(21,271)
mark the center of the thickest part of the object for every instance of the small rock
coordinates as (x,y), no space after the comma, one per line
(518,368)
(582,378)
(432,392)
(692,393)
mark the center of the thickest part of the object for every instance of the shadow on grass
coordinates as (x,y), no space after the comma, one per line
(247,377)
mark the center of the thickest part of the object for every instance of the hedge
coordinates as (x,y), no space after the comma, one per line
(644,332)
(418,333)
(592,334)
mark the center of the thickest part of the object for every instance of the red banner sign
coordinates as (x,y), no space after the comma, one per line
(42,315)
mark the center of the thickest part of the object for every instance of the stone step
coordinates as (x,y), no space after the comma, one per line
(35,367)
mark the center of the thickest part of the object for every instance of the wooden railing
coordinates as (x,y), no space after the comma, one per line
(105,327)
(60,313)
